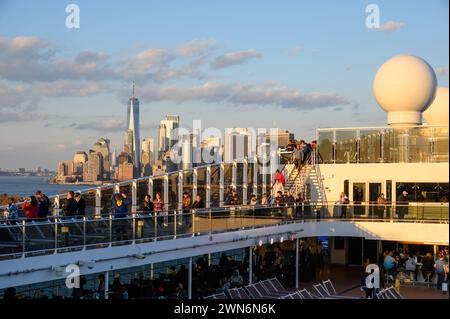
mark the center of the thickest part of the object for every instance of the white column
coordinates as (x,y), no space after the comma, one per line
(208,187)
(107,285)
(98,202)
(150,188)
(250,265)
(194,184)
(221,184)
(255,176)
(233,175)
(244,181)
(134,196)
(180,190)
(190,279)
(166,191)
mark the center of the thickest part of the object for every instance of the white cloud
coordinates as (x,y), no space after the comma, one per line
(391,26)
(106,125)
(295,51)
(243,94)
(234,58)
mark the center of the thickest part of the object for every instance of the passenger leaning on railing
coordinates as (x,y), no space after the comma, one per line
(120,205)
(44,204)
(70,205)
(30,207)
(147,206)
(13,210)
(81,204)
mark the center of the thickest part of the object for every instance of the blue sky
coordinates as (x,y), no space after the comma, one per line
(292,64)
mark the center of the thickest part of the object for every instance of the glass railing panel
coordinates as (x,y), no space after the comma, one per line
(165,226)
(106,200)
(215,186)
(188,179)
(173,192)
(346,146)
(39,236)
(11,238)
(325,147)
(158,187)
(142,191)
(239,182)
(370,146)
(89,198)
(419,145)
(122,230)
(97,232)
(201,183)
(71,233)
(250,180)
(440,145)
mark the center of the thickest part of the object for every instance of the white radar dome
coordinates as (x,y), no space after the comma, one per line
(437,113)
(404,86)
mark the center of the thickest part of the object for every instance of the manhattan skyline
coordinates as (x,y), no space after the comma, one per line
(292,65)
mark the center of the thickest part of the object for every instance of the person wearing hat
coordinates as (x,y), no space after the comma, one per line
(402,205)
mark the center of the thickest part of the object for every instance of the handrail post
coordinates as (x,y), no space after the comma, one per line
(84,232)
(221,184)
(193,222)
(208,187)
(155,216)
(194,183)
(56,235)
(175,224)
(180,190)
(23,238)
(134,196)
(134,227)
(244,181)
(110,230)
(98,202)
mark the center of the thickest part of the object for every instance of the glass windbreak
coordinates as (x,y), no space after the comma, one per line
(215,186)
(440,144)
(89,199)
(158,187)
(325,147)
(106,200)
(423,192)
(173,192)
(250,180)
(188,180)
(228,179)
(201,183)
(419,144)
(142,191)
(370,146)
(239,181)
(346,146)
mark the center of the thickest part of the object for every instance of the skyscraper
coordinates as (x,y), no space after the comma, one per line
(148,156)
(167,134)
(238,143)
(133,128)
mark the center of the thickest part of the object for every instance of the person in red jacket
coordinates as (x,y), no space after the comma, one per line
(31,207)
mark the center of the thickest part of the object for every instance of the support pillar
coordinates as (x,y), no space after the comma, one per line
(296,263)
(190,279)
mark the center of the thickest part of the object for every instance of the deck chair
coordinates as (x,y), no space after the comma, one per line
(254,293)
(268,284)
(305,294)
(321,291)
(234,293)
(243,293)
(277,284)
(263,291)
(328,285)
(220,296)
(287,297)
(393,293)
(209,297)
(296,295)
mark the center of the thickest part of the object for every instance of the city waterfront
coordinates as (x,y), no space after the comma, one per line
(28,185)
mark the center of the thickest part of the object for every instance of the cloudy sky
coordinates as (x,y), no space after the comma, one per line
(291,64)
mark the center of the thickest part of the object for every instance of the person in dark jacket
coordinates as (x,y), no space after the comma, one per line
(44,204)
(120,205)
(70,205)
(147,206)
(81,204)
(402,205)
(198,204)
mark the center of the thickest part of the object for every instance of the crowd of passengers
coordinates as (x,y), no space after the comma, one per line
(268,262)
(392,263)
